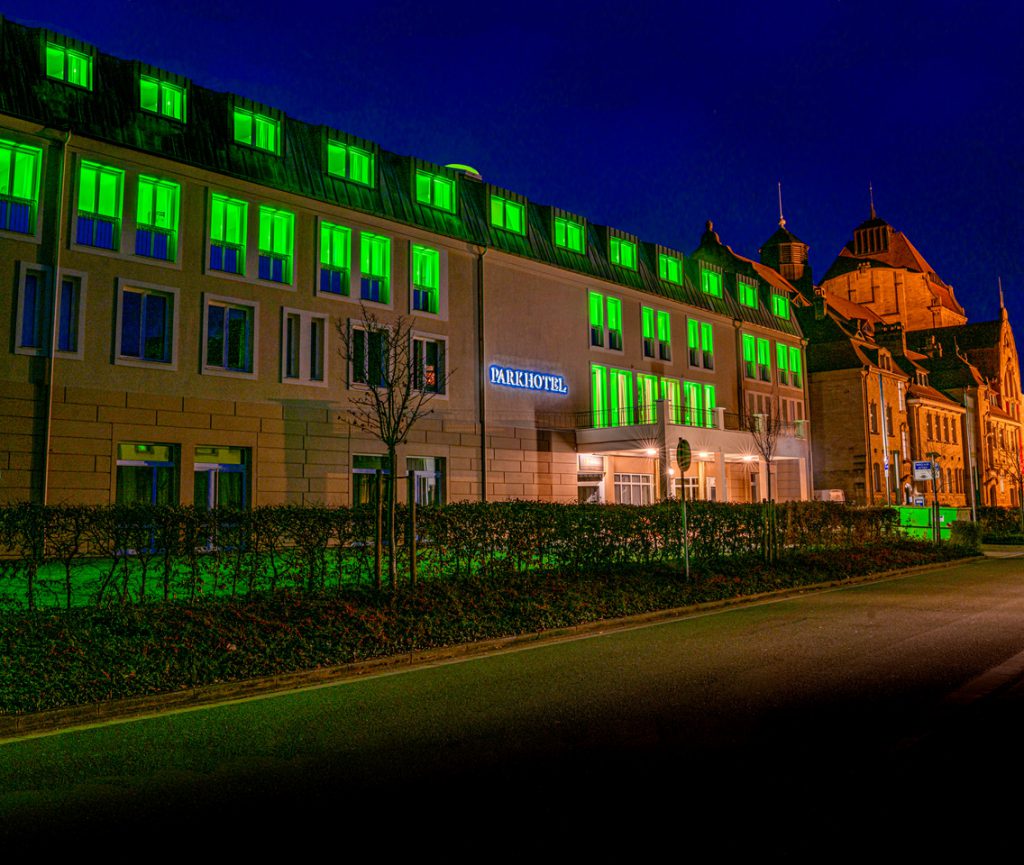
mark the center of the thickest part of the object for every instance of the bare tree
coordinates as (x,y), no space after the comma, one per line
(766,429)
(393,376)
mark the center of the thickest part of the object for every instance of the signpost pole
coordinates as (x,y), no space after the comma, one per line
(683,457)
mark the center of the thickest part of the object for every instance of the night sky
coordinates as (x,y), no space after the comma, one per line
(652,117)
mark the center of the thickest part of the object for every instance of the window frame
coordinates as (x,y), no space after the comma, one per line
(356,326)
(41,313)
(174,235)
(241,249)
(79,280)
(764,359)
(506,206)
(709,286)
(749,346)
(440,291)
(66,51)
(257,119)
(8,200)
(345,282)
(664,268)
(441,388)
(699,334)
(305,374)
(171,331)
(161,84)
(252,310)
(117,222)
(780,306)
(272,215)
(564,222)
(369,276)
(617,246)
(435,180)
(349,149)
(746,293)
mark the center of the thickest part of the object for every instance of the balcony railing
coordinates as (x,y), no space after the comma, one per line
(700,419)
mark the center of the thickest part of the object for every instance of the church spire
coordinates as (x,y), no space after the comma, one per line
(871,198)
(782,219)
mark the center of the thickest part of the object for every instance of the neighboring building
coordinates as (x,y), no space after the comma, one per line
(180,262)
(897,377)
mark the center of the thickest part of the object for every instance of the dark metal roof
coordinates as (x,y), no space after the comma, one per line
(110,112)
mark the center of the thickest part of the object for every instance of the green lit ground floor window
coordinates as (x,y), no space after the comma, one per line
(221,477)
(612,401)
(147,474)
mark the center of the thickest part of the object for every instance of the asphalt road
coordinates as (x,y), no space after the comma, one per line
(843,723)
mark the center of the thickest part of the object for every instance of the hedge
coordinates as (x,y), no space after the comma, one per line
(70,556)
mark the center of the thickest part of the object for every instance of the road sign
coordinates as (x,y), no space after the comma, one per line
(683,455)
(923,470)
(919,501)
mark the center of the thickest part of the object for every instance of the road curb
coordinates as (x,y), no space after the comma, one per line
(14,727)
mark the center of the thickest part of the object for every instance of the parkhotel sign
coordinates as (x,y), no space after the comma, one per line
(528,379)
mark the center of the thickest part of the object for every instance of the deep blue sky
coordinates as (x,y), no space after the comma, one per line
(652,117)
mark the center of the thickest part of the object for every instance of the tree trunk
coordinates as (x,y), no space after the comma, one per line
(392,552)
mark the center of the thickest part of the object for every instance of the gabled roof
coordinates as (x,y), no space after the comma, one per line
(923,391)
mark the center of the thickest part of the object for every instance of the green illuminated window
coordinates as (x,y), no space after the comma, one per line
(623,252)
(162,97)
(700,342)
(620,397)
(596,319)
(510,215)
(19,186)
(277,239)
(435,190)
(227,233)
(100,197)
(335,258)
(657,341)
(257,130)
(711,282)
(426,279)
(664,336)
(599,395)
(749,356)
(350,163)
(693,407)
(747,293)
(699,404)
(780,305)
(781,362)
(615,323)
(709,405)
(156,230)
(647,387)
(670,393)
(569,235)
(795,368)
(375,267)
(66,64)
(764,360)
(647,326)
(670,268)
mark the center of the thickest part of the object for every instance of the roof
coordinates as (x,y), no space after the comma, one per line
(110,113)
(923,391)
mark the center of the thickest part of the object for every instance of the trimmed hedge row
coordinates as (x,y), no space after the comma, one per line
(72,556)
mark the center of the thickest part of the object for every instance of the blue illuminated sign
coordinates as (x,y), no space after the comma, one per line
(528,379)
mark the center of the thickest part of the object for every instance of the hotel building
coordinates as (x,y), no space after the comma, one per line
(187,276)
